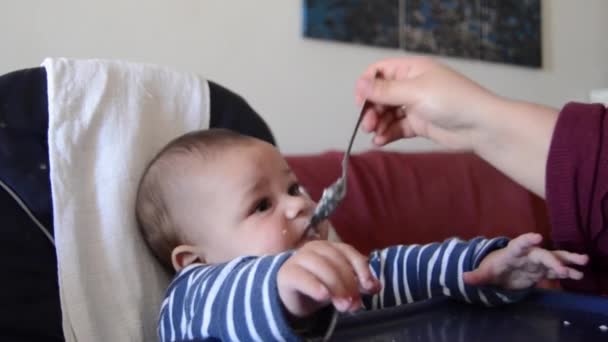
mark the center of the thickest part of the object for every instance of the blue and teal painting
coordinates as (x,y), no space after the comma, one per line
(446,27)
(504,31)
(511,32)
(370,22)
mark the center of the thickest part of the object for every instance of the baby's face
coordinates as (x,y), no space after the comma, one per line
(250,203)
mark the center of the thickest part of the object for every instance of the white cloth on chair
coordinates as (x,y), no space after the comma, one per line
(107,119)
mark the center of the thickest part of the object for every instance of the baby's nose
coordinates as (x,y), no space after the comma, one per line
(298,206)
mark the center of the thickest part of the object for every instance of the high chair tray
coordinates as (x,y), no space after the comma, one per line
(543,316)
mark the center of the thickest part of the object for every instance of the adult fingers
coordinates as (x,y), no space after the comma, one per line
(394,132)
(387,92)
(370,120)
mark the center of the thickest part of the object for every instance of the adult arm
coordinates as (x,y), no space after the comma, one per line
(577,185)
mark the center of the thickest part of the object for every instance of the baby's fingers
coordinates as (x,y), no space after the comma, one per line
(360,265)
(332,273)
(570,274)
(335,273)
(555,262)
(572,258)
(521,245)
(300,291)
(549,260)
(574,274)
(305,283)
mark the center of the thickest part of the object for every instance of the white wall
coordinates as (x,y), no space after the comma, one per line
(303,87)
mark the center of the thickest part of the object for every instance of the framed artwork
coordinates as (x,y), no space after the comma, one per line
(505,31)
(353,21)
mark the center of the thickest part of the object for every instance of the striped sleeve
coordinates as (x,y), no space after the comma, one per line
(413,273)
(235,301)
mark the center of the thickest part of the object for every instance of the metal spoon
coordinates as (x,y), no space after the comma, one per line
(333,195)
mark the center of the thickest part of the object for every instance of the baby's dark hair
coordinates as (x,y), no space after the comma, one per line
(153,216)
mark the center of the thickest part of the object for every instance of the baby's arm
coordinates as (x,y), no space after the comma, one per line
(461,269)
(233,301)
(418,272)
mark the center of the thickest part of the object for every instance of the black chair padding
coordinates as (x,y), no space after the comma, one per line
(29,300)
(231,111)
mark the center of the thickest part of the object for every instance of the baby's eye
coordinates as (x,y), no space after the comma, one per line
(294,190)
(263,205)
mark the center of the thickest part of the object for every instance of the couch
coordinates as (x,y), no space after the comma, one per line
(415,198)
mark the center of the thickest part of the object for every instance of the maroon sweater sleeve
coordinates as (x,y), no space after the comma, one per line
(577,188)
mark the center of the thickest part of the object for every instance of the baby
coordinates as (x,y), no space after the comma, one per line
(228,215)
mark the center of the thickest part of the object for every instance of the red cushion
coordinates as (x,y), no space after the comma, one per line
(407,198)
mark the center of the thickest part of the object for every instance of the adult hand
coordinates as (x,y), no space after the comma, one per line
(415,96)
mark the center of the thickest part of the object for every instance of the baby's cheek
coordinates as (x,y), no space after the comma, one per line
(274,243)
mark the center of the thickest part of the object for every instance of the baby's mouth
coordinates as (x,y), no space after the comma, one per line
(310,234)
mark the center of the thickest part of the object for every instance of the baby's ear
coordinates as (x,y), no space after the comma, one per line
(184,255)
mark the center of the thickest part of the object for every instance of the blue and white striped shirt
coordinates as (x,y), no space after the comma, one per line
(239,300)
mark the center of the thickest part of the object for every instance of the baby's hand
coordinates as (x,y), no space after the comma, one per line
(522,264)
(323,272)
